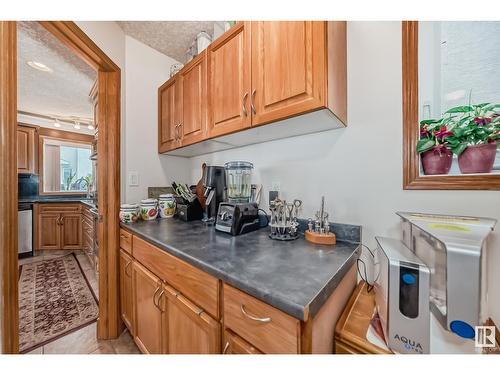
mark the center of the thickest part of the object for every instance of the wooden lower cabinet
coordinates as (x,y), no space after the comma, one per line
(126,290)
(188,329)
(71,231)
(48,231)
(234,344)
(148,317)
(165,318)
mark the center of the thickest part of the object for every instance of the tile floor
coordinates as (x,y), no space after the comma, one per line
(84,340)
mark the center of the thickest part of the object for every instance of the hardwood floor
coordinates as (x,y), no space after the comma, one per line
(83,341)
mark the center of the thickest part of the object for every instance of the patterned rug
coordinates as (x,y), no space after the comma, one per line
(55,299)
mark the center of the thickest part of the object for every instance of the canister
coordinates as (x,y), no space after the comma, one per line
(166,205)
(128,213)
(149,209)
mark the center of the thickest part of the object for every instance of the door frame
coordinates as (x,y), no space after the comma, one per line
(109,324)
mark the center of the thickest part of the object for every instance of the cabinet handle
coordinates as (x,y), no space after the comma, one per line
(249,316)
(226,347)
(154,297)
(126,267)
(59,220)
(251,101)
(244,104)
(159,300)
(180,132)
(123,236)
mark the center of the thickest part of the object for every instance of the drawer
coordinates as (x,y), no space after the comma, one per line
(201,288)
(126,241)
(269,329)
(59,207)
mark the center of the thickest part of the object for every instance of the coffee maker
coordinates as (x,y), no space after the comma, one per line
(214,185)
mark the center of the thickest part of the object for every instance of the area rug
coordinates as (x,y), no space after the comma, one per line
(55,299)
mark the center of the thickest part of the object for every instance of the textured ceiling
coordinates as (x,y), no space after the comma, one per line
(62,92)
(172,38)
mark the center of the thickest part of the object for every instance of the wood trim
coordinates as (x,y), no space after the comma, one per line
(108,186)
(9,314)
(78,42)
(44,133)
(411,171)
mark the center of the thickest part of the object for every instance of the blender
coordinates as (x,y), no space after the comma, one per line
(238,215)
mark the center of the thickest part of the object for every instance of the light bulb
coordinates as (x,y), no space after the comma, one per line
(90,126)
(77,125)
(57,124)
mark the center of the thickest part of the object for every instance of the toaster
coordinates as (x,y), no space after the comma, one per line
(237,218)
(402,297)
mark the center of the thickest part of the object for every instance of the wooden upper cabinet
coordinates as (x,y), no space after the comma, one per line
(189,329)
(229,81)
(147,314)
(193,84)
(126,302)
(169,115)
(26,149)
(288,69)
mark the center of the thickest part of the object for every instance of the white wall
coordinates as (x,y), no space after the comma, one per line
(146,69)
(359,169)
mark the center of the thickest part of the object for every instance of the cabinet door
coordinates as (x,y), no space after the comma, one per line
(288,69)
(234,344)
(126,289)
(71,231)
(25,149)
(229,81)
(169,107)
(189,330)
(147,314)
(193,83)
(48,231)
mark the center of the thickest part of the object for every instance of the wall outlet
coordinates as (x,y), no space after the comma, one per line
(275,186)
(133,178)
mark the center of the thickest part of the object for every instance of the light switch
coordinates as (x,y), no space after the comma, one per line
(133,178)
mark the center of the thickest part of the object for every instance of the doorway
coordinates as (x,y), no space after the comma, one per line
(109,323)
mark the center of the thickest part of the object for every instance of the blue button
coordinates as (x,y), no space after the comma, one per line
(409,279)
(462,329)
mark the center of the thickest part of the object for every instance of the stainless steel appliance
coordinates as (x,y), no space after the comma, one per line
(402,297)
(25,230)
(214,185)
(237,218)
(455,250)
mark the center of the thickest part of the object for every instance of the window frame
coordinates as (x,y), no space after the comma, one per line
(412,180)
(63,136)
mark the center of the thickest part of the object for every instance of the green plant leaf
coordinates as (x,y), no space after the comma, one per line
(461,109)
(457,150)
(430,121)
(425,144)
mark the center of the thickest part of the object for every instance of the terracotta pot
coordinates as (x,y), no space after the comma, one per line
(478,158)
(435,162)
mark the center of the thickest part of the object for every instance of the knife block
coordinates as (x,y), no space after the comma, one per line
(321,238)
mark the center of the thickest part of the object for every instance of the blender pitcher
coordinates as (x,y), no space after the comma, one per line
(239,181)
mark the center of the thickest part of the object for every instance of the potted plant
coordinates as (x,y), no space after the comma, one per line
(476,130)
(433,147)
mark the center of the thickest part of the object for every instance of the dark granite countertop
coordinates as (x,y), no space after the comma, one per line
(296,277)
(57,199)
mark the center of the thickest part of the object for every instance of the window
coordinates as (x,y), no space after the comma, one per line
(459,66)
(451,105)
(66,166)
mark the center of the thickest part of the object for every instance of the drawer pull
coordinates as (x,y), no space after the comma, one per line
(226,347)
(123,236)
(249,316)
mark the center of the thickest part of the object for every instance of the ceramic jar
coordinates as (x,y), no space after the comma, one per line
(166,205)
(129,213)
(149,209)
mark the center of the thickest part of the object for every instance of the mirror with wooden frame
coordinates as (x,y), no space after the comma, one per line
(451,105)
